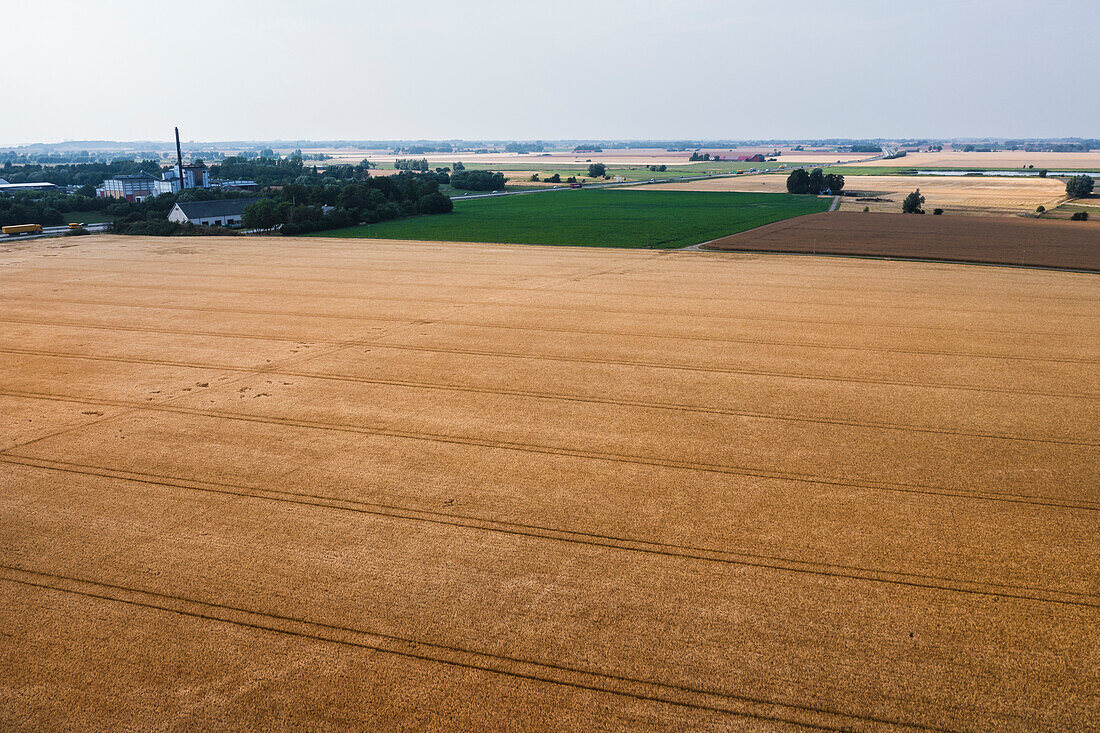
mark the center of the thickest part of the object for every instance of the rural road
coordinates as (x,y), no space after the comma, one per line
(52,232)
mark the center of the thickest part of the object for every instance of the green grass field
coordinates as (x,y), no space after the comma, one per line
(609,218)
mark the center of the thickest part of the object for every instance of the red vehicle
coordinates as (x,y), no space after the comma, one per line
(576,185)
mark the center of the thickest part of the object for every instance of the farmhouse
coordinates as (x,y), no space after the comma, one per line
(223,212)
(757,158)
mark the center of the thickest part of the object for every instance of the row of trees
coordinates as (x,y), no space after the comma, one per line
(477,180)
(814,182)
(411,164)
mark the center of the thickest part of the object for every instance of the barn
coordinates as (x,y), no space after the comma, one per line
(221,212)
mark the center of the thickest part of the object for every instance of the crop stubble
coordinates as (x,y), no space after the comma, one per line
(401,484)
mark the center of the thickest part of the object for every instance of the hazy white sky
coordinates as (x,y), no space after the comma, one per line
(362,69)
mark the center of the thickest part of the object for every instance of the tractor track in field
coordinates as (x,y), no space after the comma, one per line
(546,672)
(700,466)
(537,532)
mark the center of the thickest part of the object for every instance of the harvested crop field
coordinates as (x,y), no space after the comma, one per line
(998,159)
(992,240)
(956,194)
(370,484)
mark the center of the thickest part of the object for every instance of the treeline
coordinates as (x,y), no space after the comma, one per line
(697,156)
(814,182)
(534,147)
(411,164)
(1034,146)
(297,209)
(77,174)
(422,149)
(264,171)
(865,148)
(79,156)
(477,180)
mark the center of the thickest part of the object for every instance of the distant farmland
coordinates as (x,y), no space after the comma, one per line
(654,219)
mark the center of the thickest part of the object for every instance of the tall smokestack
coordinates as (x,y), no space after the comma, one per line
(179,158)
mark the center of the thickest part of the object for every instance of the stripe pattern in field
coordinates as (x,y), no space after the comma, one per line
(376,484)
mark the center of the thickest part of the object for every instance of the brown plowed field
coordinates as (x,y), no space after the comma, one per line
(993,240)
(321,483)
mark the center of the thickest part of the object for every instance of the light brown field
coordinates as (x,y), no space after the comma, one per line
(539,161)
(1002,159)
(966,194)
(357,484)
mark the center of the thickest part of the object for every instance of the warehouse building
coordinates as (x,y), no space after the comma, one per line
(222,212)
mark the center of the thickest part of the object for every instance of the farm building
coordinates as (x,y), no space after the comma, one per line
(222,212)
(757,158)
(6,187)
(194,176)
(130,186)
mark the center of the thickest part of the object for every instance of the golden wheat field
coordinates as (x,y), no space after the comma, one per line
(317,483)
(967,194)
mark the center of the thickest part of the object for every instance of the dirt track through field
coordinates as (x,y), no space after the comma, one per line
(337,483)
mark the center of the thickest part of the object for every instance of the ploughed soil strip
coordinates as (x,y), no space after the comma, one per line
(373,485)
(987,240)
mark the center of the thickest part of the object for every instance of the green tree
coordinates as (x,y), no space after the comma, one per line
(597,170)
(434,203)
(912,203)
(817,181)
(1079,186)
(798,181)
(834,182)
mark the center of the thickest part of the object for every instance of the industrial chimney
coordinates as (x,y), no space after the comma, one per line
(179,158)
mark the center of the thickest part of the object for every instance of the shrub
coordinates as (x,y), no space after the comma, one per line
(1080,216)
(1040,209)
(937,212)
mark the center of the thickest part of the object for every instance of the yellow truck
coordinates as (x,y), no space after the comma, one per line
(23,229)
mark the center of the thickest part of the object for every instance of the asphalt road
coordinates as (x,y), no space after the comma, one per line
(58,231)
